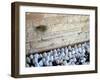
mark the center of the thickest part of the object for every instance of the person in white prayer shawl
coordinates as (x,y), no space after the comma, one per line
(78,54)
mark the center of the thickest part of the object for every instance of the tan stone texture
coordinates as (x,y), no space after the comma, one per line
(62,30)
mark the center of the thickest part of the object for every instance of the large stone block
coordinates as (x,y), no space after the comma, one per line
(61,30)
(85,27)
(73,19)
(84,18)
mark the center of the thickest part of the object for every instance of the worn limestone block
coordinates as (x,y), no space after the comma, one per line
(27,48)
(58,42)
(61,30)
(85,27)
(84,18)
(73,19)
(35,18)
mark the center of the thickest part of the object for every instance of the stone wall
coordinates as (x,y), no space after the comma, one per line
(61,30)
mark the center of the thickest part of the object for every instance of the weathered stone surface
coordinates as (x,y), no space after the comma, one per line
(85,27)
(74,18)
(84,18)
(61,30)
(27,47)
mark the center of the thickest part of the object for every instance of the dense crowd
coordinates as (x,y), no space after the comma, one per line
(78,54)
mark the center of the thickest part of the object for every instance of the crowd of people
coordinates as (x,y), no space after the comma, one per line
(78,54)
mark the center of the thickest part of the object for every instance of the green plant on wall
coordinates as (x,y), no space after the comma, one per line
(41,28)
